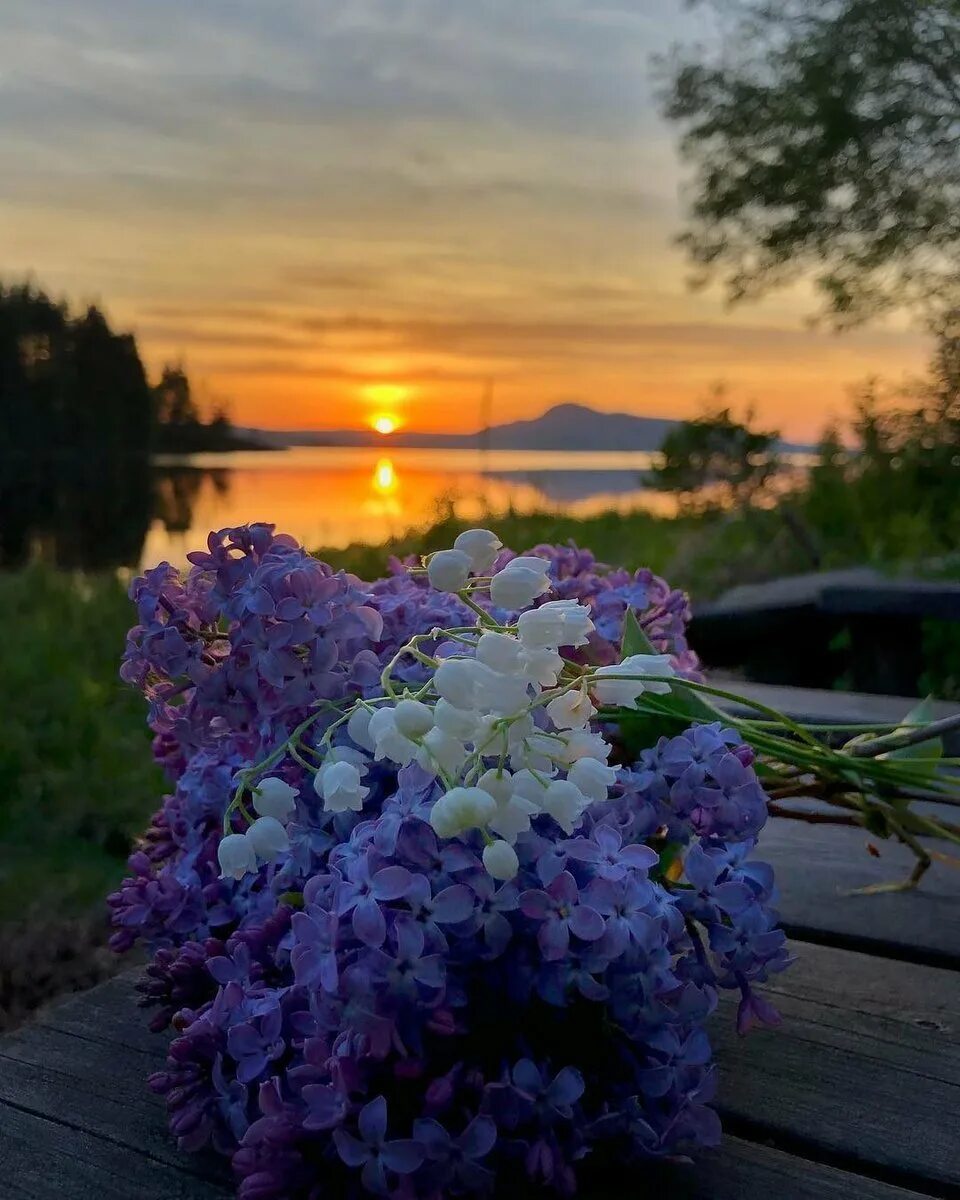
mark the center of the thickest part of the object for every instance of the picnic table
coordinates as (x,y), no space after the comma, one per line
(855,1097)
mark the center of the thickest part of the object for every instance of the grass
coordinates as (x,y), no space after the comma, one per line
(631,540)
(76,779)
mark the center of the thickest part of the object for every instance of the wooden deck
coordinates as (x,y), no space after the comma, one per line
(856,1097)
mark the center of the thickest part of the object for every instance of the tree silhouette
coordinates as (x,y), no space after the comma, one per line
(825,135)
(715,460)
(78,423)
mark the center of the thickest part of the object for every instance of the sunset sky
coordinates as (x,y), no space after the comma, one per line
(336,209)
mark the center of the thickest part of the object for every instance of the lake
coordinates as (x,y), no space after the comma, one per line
(131,513)
(331,496)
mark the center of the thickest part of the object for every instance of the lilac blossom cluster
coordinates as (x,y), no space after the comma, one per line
(381,982)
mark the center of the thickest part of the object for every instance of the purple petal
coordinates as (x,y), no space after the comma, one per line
(583,850)
(374,1177)
(641,857)
(497,932)
(536,904)
(554,939)
(479,1138)
(373,1121)
(733,897)
(564,888)
(369,923)
(326,1106)
(567,1088)
(699,868)
(432,1136)
(607,839)
(586,923)
(453,904)
(403,1155)
(409,935)
(241,1040)
(527,1077)
(430,971)
(391,883)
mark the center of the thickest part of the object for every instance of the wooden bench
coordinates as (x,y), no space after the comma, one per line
(856,1097)
(814,628)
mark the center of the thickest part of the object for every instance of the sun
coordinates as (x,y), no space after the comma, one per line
(384,423)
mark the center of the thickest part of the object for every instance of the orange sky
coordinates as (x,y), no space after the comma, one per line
(331,211)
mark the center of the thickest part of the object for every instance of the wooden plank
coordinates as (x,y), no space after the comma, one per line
(864,1069)
(43,1158)
(817,865)
(821,705)
(849,591)
(744,1170)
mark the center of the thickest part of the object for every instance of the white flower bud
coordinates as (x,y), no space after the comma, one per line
(623,692)
(581,743)
(412,718)
(461,809)
(459,723)
(338,782)
(572,710)
(449,570)
(236,856)
(501,860)
(513,810)
(592,777)
(520,582)
(542,666)
(441,750)
(457,679)
(503,693)
(565,803)
(556,623)
(273,797)
(388,741)
(268,838)
(480,546)
(500,652)
(358,727)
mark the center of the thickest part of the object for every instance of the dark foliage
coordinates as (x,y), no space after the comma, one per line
(824,134)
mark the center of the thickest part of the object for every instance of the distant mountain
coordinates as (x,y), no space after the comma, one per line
(563,427)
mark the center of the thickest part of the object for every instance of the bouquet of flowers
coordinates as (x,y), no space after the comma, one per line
(452,869)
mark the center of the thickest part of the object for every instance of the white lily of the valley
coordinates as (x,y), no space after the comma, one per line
(632,681)
(480,546)
(460,809)
(339,785)
(236,856)
(564,802)
(520,582)
(268,838)
(274,797)
(449,570)
(412,718)
(572,710)
(501,860)
(592,777)
(388,741)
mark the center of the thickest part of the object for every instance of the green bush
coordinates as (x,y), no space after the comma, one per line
(76,779)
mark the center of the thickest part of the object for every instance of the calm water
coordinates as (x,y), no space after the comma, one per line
(331,497)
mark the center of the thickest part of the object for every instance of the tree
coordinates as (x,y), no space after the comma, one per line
(173,399)
(715,460)
(825,136)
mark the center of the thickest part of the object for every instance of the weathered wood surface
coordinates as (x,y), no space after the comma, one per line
(863,1076)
